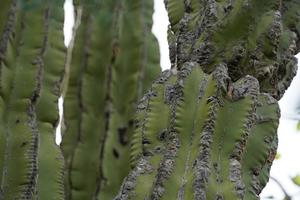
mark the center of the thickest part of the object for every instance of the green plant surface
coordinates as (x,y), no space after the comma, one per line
(19,172)
(107,75)
(259,150)
(212,126)
(85,102)
(153,127)
(134,69)
(206,129)
(202,114)
(51,165)
(257,38)
(7,17)
(7,55)
(296,180)
(175,10)
(4,10)
(186,112)
(27,78)
(228,130)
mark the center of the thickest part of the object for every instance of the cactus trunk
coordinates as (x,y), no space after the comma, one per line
(231,62)
(206,129)
(30,87)
(114,60)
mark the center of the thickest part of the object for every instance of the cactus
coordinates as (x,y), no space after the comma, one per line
(218,138)
(115,58)
(232,61)
(257,38)
(30,87)
(206,129)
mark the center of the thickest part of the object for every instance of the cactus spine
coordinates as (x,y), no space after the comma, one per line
(115,59)
(30,87)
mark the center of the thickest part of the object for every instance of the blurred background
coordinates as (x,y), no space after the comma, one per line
(285,172)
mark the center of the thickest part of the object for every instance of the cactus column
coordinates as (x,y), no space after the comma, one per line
(30,87)
(259,38)
(231,62)
(114,60)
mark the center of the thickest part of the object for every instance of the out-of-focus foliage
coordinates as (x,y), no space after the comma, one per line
(296,179)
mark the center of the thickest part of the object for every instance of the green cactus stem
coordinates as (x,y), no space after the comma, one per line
(258,38)
(233,60)
(30,87)
(114,60)
(85,101)
(204,148)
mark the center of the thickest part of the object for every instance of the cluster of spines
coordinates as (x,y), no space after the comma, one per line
(208,135)
(114,60)
(30,88)
(256,38)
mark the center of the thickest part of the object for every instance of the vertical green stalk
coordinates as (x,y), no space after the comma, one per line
(6,25)
(135,68)
(257,38)
(85,100)
(26,75)
(233,60)
(114,60)
(51,165)
(201,152)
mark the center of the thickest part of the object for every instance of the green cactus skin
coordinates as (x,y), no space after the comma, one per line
(134,70)
(215,130)
(258,38)
(152,121)
(85,101)
(205,129)
(51,165)
(6,26)
(220,145)
(7,15)
(30,87)
(107,76)
(259,149)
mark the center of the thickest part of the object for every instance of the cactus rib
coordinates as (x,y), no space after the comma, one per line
(102,71)
(203,151)
(24,79)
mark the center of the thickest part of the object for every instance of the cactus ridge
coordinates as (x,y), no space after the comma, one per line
(175,10)
(98,107)
(24,82)
(259,150)
(226,141)
(259,38)
(50,183)
(204,153)
(186,110)
(153,129)
(87,88)
(6,25)
(128,73)
(204,129)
